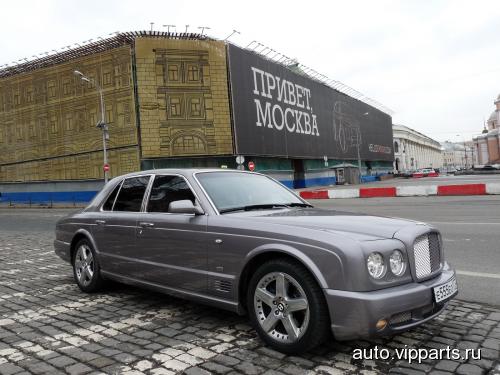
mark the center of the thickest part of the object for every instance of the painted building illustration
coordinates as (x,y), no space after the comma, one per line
(171,100)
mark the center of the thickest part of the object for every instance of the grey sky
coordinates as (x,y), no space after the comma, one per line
(435,63)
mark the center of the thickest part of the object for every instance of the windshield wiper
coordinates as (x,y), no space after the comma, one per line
(299,205)
(254,207)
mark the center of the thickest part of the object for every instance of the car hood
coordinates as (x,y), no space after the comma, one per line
(356,226)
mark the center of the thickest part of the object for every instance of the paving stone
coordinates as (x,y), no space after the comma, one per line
(467,369)
(128,330)
(78,368)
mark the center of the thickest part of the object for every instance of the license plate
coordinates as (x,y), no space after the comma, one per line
(445,291)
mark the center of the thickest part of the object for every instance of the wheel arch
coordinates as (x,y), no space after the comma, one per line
(265,253)
(79,235)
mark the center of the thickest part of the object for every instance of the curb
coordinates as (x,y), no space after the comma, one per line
(404,191)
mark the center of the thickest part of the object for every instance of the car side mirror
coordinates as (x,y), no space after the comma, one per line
(184,206)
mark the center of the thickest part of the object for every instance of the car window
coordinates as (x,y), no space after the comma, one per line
(131,194)
(108,205)
(167,189)
(236,189)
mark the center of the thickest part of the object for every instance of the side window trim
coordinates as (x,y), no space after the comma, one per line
(148,192)
(117,194)
(103,202)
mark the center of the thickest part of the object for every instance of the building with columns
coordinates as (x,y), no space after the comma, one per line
(414,150)
(487,145)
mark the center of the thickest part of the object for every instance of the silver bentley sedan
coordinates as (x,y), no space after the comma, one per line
(243,242)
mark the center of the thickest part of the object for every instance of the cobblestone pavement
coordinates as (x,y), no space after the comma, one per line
(48,326)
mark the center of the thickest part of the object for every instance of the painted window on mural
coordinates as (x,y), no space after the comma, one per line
(175,103)
(193,73)
(188,144)
(51,89)
(195,107)
(173,72)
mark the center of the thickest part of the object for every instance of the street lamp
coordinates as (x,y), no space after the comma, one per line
(102,123)
(465,151)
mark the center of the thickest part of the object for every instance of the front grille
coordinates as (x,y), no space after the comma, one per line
(427,254)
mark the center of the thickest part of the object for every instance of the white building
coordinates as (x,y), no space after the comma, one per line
(414,150)
(458,155)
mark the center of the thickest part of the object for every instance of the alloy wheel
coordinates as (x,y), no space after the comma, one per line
(281,307)
(84,265)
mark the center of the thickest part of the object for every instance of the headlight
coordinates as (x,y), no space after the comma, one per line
(375,265)
(397,263)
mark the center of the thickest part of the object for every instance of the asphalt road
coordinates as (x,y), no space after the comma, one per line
(471,231)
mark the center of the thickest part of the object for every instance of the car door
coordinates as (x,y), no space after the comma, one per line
(115,227)
(172,246)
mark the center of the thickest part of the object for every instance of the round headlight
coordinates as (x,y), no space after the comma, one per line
(397,263)
(375,265)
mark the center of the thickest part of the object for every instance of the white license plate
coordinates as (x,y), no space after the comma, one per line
(445,291)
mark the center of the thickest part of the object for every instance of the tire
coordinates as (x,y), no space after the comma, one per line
(279,313)
(86,269)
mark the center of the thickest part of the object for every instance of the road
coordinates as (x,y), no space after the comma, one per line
(471,232)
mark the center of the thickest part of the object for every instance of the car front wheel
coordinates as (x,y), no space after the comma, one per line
(287,307)
(86,268)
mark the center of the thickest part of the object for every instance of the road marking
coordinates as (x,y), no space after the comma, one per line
(478,274)
(460,222)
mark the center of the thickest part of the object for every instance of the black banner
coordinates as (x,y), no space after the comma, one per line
(278,112)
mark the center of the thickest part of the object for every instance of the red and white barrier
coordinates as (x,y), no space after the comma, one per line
(403,191)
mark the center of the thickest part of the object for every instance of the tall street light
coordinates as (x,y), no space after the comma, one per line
(102,123)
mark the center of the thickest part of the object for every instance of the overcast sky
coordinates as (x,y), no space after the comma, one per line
(435,63)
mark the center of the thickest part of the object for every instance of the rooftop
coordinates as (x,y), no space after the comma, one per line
(103,44)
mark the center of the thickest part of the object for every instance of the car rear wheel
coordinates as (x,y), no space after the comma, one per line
(86,268)
(287,307)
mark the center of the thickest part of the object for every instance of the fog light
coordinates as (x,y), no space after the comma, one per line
(381,324)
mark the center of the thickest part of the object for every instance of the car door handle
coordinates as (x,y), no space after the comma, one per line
(100,222)
(146,224)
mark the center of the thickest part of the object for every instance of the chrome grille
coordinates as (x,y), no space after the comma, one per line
(427,254)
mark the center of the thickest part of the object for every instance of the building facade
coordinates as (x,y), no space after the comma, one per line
(458,155)
(414,150)
(170,102)
(487,145)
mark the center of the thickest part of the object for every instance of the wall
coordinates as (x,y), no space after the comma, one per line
(72,192)
(183,98)
(48,120)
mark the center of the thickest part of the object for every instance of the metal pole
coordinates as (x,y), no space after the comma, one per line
(102,123)
(104,129)
(359,157)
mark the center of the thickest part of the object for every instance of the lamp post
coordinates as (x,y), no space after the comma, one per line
(101,124)
(465,152)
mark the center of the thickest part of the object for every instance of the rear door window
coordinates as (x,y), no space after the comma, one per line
(167,189)
(131,194)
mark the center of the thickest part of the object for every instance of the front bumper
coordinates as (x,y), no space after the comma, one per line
(62,249)
(354,314)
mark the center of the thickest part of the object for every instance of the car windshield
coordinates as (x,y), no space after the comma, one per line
(235,191)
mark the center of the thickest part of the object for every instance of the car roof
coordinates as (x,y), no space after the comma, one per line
(181,171)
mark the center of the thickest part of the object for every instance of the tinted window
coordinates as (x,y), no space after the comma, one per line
(131,194)
(108,205)
(167,189)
